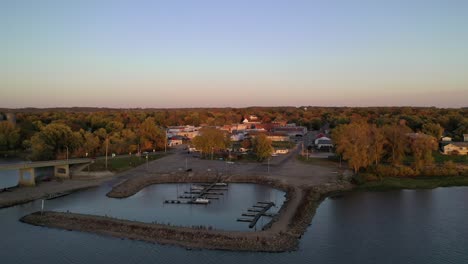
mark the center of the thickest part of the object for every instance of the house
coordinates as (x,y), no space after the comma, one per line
(184,131)
(237,136)
(465,137)
(323,142)
(251,119)
(456,148)
(292,131)
(281,151)
(446,139)
(273,136)
(175,141)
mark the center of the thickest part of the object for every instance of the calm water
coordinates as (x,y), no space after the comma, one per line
(393,227)
(148,205)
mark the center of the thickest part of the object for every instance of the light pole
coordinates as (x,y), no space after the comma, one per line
(268,165)
(107,148)
(146,161)
(165,140)
(212,149)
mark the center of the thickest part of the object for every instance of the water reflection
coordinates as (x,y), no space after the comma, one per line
(364,228)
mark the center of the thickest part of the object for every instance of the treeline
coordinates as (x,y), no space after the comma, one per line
(390,150)
(57,139)
(123,128)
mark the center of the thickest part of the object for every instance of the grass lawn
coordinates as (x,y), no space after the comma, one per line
(283,144)
(119,164)
(321,162)
(441,158)
(390,183)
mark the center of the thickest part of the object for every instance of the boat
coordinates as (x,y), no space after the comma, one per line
(197,187)
(221,184)
(201,201)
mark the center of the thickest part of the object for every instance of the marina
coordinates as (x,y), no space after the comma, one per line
(201,194)
(256,212)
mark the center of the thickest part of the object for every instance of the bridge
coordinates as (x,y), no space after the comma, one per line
(61,169)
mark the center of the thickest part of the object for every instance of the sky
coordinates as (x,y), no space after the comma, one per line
(216,53)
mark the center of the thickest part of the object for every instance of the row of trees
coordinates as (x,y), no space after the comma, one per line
(428,120)
(125,129)
(364,145)
(56,139)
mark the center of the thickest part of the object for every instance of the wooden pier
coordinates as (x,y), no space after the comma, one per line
(209,191)
(259,209)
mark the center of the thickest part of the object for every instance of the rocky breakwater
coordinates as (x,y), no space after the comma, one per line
(282,234)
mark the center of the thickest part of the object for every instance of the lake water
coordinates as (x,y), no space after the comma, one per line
(148,205)
(420,226)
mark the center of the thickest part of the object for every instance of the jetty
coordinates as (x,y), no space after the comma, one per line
(258,210)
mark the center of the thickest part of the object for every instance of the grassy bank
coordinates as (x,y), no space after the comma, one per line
(390,183)
(327,162)
(118,164)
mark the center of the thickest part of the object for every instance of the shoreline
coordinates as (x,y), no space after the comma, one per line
(281,234)
(22,195)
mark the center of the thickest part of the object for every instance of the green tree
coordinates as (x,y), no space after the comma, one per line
(377,144)
(91,143)
(262,147)
(433,129)
(211,139)
(151,136)
(353,143)
(398,142)
(9,136)
(422,147)
(51,142)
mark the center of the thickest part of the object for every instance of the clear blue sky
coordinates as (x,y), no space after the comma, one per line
(233,53)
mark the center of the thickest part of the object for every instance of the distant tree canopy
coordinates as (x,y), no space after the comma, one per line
(127,132)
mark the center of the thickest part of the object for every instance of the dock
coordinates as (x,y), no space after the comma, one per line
(258,210)
(210,191)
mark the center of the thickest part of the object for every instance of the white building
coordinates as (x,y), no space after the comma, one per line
(323,142)
(281,151)
(456,148)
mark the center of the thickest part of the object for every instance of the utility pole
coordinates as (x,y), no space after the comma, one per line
(268,165)
(165,140)
(107,148)
(146,161)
